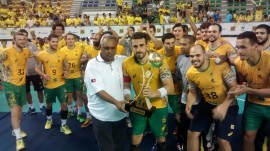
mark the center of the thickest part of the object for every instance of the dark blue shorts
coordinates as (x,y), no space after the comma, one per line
(202,120)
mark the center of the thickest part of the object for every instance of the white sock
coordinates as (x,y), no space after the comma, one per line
(17,133)
(88,115)
(31,106)
(69,107)
(41,105)
(64,122)
(79,110)
(49,117)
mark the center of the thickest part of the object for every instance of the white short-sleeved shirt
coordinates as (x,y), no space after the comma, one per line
(99,76)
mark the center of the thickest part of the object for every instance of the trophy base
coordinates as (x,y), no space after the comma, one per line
(131,107)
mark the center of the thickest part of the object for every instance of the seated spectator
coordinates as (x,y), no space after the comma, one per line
(126,8)
(161,18)
(77,20)
(137,20)
(2,22)
(103,19)
(210,13)
(119,4)
(49,21)
(130,19)
(37,21)
(69,21)
(167,18)
(96,22)
(58,8)
(241,18)
(116,19)
(109,20)
(173,19)
(144,14)
(216,15)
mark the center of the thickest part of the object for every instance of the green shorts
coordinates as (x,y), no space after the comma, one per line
(59,92)
(254,115)
(174,103)
(74,85)
(16,95)
(157,122)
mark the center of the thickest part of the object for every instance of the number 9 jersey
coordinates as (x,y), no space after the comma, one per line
(212,81)
(53,64)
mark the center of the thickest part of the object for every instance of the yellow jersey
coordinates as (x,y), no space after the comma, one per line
(91,51)
(172,63)
(61,43)
(212,81)
(73,57)
(256,76)
(223,50)
(53,66)
(140,74)
(14,66)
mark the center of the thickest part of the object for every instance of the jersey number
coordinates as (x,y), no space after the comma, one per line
(212,95)
(20,72)
(54,72)
(71,65)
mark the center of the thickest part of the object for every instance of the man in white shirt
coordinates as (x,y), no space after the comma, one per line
(104,82)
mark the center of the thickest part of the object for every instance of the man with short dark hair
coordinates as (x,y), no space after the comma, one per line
(104,82)
(262,32)
(160,86)
(58,29)
(253,70)
(55,69)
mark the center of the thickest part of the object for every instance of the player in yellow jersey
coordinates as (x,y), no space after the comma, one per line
(14,62)
(161,84)
(216,49)
(73,80)
(58,29)
(214,81)
(253,70)
(55,69)
(170,54)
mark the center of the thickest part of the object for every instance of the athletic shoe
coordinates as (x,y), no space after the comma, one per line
(129,123)
(19,144)
(43,110)
(86,123)
(48,124)
(65,129)
(22,133)
(80,118)
(70,114)
(30,112)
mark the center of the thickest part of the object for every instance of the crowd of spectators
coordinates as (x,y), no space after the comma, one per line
(39,14)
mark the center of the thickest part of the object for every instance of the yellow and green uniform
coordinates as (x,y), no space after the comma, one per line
(137,20)
(157,121)
(257,108)
(249,18)
(211,81)
(77,21)
(53,66)
(130,20)
(73,57)
(173,98)
(116,20)
(256,76)
(69,21)
(161,19)
(14,75)
(258,15)
(135,72)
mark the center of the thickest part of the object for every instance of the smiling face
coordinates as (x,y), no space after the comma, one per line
(169,44)
(197,56)
(213,33)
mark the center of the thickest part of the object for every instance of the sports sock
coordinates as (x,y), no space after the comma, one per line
(17,133)
(41,105)
(64,117)
(69,107)
(31,106)
(88,115)
(79,110)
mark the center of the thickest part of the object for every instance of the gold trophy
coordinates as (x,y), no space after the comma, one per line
(143,106)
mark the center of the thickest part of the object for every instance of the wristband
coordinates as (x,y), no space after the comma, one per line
(127,91)
(163,92)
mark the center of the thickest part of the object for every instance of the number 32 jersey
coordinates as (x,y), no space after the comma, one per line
(14,66)
(212,81)
(52,66)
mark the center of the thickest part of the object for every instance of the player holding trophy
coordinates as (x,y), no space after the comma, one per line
(152,82)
